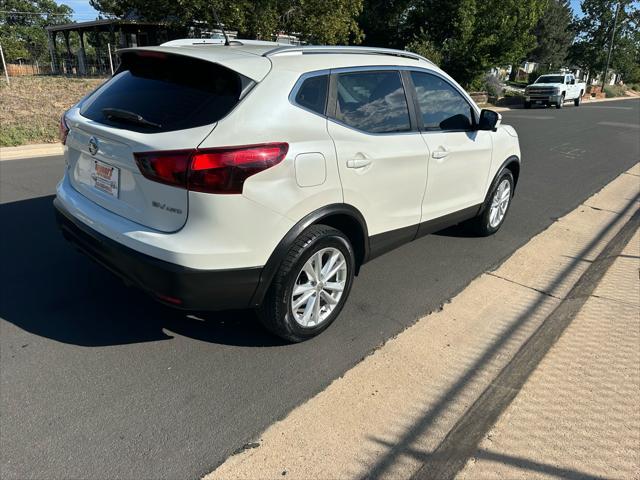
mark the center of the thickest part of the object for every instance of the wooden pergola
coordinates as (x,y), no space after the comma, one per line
(129,33)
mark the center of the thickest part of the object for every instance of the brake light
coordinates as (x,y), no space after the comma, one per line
(165,167)
(224,170)
(64,129)
(218,170)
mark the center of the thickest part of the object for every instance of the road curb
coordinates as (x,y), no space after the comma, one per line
(584,102)
(31,151)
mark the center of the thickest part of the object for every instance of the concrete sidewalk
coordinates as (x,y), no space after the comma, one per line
(578,415)
(387,416)
(30,151)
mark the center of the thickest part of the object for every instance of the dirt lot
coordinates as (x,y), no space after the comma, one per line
(30,107)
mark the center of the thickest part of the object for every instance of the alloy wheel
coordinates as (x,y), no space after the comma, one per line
(318,287)
(500,203)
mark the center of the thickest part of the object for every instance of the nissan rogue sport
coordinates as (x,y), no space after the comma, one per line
(255,175)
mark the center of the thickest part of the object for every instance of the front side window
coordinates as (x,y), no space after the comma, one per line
(442,107)
(312,94)
(373,102)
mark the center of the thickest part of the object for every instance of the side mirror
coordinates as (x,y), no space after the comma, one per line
(489,120)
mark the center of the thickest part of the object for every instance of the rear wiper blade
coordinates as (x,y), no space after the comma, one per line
(127,116)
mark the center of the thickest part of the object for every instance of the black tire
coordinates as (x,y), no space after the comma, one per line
(480,224)
(527,105)
(578,100)
(560,103)
(275,313)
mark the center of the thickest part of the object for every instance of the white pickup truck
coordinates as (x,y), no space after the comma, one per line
(554,89)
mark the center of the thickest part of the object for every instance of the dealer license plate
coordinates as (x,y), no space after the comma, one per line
(106,178)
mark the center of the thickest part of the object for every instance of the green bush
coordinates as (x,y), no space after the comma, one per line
(613,91)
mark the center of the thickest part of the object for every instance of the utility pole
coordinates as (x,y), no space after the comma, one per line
(613,34)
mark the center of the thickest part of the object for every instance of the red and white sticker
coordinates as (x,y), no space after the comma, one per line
(105,178)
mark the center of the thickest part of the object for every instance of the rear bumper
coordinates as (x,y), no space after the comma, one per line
(174,285)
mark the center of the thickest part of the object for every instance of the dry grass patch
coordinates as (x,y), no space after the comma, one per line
(30,107)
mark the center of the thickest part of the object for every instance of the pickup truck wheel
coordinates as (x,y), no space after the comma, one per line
(578,100)
(496,206)
(311,285)
(560,103)
(527,105)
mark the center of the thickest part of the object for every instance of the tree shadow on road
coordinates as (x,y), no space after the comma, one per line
(51,290)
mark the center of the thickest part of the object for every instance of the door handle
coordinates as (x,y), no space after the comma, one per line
(358,162)
(439,153)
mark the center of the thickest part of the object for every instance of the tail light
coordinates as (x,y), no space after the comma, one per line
(165,167)
(218,170)
(225,170)
(64,129)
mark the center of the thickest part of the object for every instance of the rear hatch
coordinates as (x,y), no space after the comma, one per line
(157,101)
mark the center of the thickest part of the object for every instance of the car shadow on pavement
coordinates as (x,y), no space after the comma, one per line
(51,290)
(462,230)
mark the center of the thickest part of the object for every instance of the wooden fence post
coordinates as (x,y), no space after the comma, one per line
(4,65)
(110,59)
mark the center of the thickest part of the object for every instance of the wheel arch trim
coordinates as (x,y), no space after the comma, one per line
(283,247)
(512,160)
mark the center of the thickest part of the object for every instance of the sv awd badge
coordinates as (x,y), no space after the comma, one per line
(165,207)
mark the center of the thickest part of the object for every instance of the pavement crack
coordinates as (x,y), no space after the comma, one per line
(525,286)
(600,209)
(615,300)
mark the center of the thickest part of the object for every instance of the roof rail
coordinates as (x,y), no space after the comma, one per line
(234,42)
(317,49)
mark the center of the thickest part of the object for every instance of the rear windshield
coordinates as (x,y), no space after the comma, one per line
(155,92)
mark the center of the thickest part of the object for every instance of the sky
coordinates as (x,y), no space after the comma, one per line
(82,11)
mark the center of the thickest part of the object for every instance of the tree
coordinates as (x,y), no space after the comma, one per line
(384,23)
(316,21)
(327,22)
(595,29)
(475,35)
(554,35)
(22,23)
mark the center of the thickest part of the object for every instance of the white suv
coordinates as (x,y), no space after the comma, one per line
(255,175)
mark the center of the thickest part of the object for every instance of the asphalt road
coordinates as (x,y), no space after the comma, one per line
(99,381)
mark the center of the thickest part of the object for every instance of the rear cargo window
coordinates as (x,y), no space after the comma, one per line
(312,94)
(155,92)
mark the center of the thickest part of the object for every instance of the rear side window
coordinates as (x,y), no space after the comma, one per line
(373,102)
(312,94)
(154,92)
(441,105)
